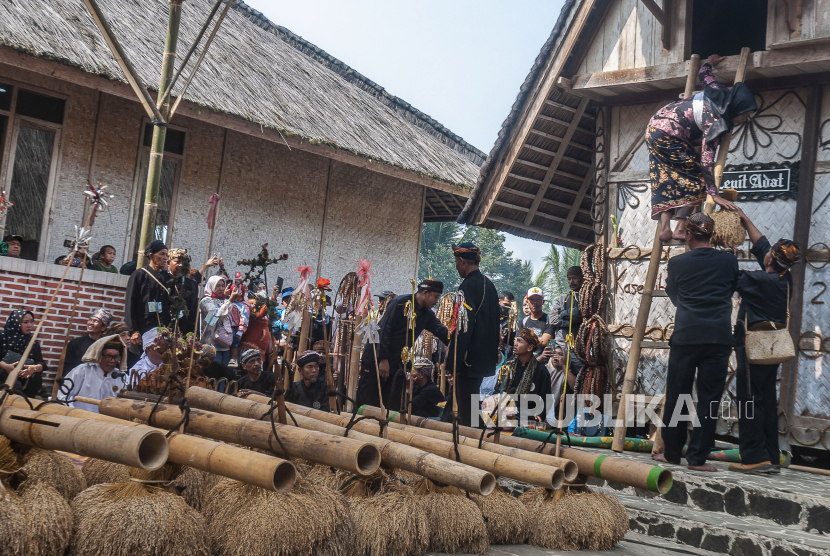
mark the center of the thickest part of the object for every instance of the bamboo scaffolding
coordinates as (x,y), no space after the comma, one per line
(393,454)
(145,449)
(254,468)
(601,466)
(343,453)
(538,469)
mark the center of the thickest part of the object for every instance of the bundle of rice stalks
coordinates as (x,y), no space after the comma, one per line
(133,519)
(455,522)
(245,520)
(54,469)
(323,476)
(508,522)
(391,523)
(13,536)
(189,481)
(8,457)
(729,230)
(210,480)
(303,466)
(574,519)
(98,471)
(49,518)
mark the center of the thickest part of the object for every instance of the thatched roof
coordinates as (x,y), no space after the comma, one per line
(255,70)
(562,197)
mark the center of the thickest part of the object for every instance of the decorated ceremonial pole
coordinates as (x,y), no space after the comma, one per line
(409,354)
(296,316)
(322,286)
(364,276)
(97,202)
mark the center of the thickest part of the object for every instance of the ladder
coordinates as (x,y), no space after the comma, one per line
(649,293)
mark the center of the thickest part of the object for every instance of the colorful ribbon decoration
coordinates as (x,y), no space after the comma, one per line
(211,217)
(303,288)
(364,274)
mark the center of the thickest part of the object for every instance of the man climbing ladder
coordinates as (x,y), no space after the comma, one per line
(680,182)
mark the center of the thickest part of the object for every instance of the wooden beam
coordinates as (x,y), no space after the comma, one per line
(543,187)
(546,152)
(457,202)
(564,123)
(539,92)
(545,215)
(440,200)
(510,206)
(559,139)
(578,202)
(532,164)
(656,11)
(427,203)
(563,220)
(518,193)
(568,108)
(665,36)
(801,236)
(539,182)
(516,224)
(235,123)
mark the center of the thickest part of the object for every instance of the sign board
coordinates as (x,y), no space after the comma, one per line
(763,181)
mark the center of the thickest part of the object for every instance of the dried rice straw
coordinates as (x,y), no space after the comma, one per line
(8,457)
(574,518)
(245,520)
(13,535)
(133,519)
(508,522)
(48,518)
(189,481)
(55,469)
(729,230)
(99,471)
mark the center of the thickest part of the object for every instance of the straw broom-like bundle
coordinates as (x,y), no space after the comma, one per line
(245,520)
(729,230)
(574,518)
(188,480)
(210,480)
(133,519)
(8,457)
(455,522)
(99,471)
(508,522)
(324,476)
(13,535)
(54,469)
(48,518)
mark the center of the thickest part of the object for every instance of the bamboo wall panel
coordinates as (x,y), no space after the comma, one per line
(630,37)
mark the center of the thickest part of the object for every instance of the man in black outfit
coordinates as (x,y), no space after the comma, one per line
(255,380)
(147,301)
(700,284)
(183,287)
(393,337)
(308,391)
(97,324)
(426,395)
(478,347)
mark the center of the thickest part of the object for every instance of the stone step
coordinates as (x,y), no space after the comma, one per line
(717,531)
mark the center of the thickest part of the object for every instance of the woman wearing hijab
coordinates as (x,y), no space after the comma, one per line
(764,297)
(16,335)
(214,308)
(680,178)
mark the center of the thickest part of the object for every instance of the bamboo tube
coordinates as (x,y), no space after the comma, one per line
(354,365)
(393,454)
(342,453)
(145,449)
(814,470)
(303,345)
(568,467)
(500,464)
(254,468)
(601,466)
(691,78)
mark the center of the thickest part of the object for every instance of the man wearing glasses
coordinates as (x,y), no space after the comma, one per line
(101,373)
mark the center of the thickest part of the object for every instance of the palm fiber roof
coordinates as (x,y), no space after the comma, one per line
(254,69)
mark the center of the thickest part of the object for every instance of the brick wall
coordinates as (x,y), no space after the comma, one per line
(30,285)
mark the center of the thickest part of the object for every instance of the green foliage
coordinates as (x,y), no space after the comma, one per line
(437,261)
(553,277)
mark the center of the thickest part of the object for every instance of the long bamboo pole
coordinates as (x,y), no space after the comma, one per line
(342,453)
(354,364)
(303,344)
(168,63)
(145,449)
(392,453)
(601,466)
(240,464)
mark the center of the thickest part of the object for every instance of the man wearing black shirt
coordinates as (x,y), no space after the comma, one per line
(477,353)
(700,284)
(98,322)
(255,380)
(426,395)
(393,338)
(147,301)
(185,288)
(506,300)
(308,391)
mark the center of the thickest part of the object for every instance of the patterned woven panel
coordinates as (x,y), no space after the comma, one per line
(635,224)
(626,303)
(651,373)
(812,396)
(633,121)
(774,132)
(824,132)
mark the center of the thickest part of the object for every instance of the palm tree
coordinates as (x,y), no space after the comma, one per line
(554,275)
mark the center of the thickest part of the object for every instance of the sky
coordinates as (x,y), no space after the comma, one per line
(460,61)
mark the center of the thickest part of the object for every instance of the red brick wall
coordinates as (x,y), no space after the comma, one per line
(30,285)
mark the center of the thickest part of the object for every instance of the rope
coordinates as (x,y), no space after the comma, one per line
(183,406)
(496,430)
(355,419)
(270,415)
(455,437)
(550,436)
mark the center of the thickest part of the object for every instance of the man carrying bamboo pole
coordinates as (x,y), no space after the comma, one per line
(474,352)
(100,375)
(393,339)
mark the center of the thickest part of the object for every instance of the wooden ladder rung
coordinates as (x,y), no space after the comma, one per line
(674,243)
(658,293)
(652,344)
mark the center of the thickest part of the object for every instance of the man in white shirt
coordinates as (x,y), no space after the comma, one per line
(100,375)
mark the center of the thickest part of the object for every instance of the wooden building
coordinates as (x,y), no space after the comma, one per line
(306,153)
(571,164)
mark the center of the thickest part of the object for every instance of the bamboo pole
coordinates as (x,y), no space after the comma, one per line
(354,364)
(601,466)
(333,400)
(393,454)
(145,449)
(303,345)
(240,464)
(531,471)
(168,63)
(342,453)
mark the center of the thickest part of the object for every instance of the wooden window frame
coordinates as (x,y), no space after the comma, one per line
(143,158)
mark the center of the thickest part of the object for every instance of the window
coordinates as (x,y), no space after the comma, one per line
(723,28)
(30,132)
(168,184)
